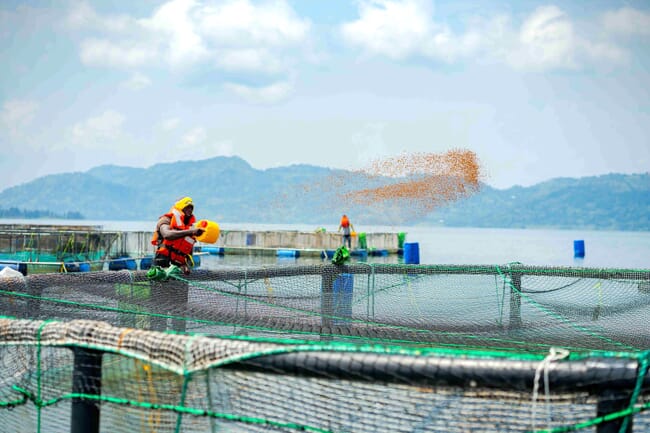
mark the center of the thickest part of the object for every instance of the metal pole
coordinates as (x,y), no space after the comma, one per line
(329,274)
(515,301)
(610,401)
(86,379)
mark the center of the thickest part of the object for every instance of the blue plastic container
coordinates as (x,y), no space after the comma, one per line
(579,248)
(288,253)
(411,253)
(213,251)
(122,263)
(84,267)
(13,266)
(342,289)
(16,266)
(71,267)
(146,263)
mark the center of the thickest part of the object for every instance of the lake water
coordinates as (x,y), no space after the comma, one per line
(440,245)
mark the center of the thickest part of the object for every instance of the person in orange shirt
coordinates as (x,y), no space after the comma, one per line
(175,235)
(347,228)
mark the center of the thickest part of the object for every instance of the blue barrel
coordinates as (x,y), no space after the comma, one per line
(71,266)
(146,263)
(84,267)
(412,253)
(16,266)
(342,297)
(13,266)
(122,263)
(197,260)
(288,253)
(213,251)
(579,248)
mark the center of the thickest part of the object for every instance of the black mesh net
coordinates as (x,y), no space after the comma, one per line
(356,348)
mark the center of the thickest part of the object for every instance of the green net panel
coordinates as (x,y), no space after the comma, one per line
(326,348)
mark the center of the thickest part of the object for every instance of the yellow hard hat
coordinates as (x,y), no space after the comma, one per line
(183,203)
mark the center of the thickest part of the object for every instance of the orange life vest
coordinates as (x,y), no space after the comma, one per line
(179,249)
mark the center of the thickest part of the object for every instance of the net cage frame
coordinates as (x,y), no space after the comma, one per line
(52,248)
(616,381)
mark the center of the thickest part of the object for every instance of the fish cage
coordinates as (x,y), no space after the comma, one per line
(60,248)
(328,348)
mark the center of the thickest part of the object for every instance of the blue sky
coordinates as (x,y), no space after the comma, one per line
(536,89)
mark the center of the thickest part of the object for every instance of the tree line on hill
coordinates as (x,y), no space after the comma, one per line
(14,212)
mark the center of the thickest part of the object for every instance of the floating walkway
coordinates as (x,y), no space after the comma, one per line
(34,248)
(293,243)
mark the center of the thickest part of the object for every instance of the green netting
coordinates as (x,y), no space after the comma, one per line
(394,348)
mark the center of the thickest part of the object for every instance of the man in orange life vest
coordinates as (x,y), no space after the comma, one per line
(175,236)
(348,228)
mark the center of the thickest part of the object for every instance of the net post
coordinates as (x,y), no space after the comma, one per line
(610,401)
(86,379)
(34,287)
(515,301)
(328,275)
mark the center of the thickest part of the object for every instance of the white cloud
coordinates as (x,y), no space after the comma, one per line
(137,81)
(17,115)
(270,94)
(175,26)
(545,39)
(82,16)
(627,21)
(170,124)
(605,52)
(196,144)
(121,54)
(97,131)
(242,23)
(396,29)
(235,35)
(250,60)
(194,137)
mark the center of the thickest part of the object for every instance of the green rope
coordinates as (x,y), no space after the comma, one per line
(177,409)
(561,318)
(38,375)
(515,344)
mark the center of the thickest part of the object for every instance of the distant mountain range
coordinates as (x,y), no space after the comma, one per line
(228,189)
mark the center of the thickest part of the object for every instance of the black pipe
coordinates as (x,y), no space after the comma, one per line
(592,375)
(86,379)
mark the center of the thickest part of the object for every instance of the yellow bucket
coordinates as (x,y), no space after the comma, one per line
(210,231)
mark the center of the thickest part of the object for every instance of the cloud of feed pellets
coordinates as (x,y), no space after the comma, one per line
(405,187)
